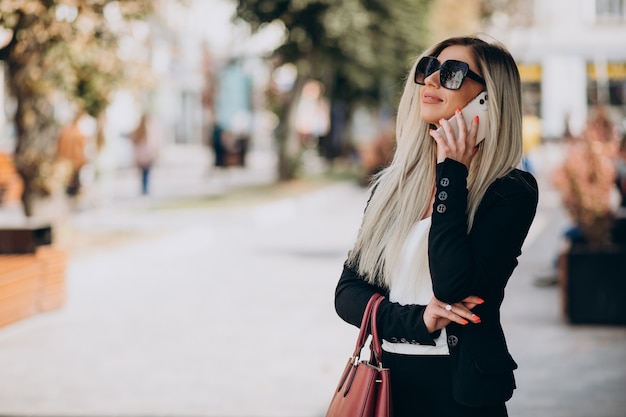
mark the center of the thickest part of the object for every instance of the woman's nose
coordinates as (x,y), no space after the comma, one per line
(432,79)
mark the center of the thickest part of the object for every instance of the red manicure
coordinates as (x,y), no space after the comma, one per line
(458,110)
(480,300)
(476,119)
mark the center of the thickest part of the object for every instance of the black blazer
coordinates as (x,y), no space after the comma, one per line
(461,264)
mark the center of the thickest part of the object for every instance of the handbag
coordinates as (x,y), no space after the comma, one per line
(364,387)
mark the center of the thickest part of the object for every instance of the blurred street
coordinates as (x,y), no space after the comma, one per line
(178,307)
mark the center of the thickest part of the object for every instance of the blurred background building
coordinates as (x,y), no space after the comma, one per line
(187,46)
(571,55)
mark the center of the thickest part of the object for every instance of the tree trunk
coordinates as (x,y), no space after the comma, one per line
(35,150)
(289,148)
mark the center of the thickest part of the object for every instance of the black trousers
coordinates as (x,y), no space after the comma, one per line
(421,386)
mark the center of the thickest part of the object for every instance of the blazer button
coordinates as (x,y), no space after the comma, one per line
(443,196)
(441,208)
(453,340)
(444,182)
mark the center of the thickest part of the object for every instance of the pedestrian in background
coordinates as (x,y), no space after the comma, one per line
(146,149)
(441,234)
(71,148)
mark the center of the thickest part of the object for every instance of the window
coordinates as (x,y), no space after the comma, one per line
(530,74)
(607,84)
(609,9)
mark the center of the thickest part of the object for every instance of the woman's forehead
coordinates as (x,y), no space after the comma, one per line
(460,53)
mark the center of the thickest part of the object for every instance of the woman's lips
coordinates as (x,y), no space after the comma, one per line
(428,99)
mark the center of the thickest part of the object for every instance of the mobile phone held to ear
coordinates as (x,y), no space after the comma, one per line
(477,107)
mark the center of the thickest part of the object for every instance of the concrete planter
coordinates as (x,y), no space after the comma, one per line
(593,283)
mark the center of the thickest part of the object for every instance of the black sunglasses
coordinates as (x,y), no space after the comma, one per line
(451,72)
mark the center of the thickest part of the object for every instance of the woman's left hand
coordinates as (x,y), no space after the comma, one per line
(461,149)
(438,314)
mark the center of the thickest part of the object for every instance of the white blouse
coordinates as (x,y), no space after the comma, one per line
(411,284)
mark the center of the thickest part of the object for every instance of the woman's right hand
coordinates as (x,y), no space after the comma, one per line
(462,148)
(438,314)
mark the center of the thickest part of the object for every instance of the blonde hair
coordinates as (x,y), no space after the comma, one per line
(402,193)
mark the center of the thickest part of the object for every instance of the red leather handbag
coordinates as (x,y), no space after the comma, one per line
(364,388)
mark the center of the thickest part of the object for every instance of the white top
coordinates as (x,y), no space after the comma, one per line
(411,284)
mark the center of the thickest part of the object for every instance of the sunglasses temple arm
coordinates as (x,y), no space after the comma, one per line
(471,74)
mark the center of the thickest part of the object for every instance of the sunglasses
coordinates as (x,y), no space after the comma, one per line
(451,72)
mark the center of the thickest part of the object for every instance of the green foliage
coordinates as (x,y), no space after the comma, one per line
(66,46)
(356,46)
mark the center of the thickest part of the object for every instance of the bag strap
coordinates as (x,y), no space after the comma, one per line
(372,304)
(377,350)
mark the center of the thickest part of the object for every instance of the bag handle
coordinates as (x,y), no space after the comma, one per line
(368,315)
(376,347)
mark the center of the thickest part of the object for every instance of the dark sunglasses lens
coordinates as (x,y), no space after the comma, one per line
(452,74)
(425,67)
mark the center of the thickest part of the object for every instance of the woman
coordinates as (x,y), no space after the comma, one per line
(145,148)
(441,235)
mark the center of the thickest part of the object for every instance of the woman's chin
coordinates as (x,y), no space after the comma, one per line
(432,122)
(430,119)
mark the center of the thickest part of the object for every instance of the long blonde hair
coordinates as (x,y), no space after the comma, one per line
(403,191)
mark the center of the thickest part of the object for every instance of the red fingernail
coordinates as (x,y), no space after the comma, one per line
(464,322)
(458,110)
(476,318)
(480,300)
(476,119)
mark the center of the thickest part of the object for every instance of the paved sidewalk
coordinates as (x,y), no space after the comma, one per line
(227,311)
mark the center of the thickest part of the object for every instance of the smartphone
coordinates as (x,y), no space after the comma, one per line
(476,107)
